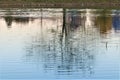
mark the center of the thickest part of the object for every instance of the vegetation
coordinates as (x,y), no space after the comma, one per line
(61,3)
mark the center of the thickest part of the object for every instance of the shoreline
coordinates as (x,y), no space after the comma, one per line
(60,5)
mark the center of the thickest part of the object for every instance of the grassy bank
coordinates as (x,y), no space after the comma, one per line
(61,3)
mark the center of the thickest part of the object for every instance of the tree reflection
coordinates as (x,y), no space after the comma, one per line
(9,20)
(68,50)
(22,20)
(77,54)
(104,22)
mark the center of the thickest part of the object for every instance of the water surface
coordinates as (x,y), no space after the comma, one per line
(59,44)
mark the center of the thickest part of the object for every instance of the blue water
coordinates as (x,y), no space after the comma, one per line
(42,44)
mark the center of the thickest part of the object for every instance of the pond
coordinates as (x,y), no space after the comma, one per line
(56,43)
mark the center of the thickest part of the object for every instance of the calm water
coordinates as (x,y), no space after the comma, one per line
(59,44)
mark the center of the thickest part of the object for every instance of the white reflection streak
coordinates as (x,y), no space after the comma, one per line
(88,22)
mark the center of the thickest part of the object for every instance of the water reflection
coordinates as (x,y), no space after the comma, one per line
(66,52)
(10,19)
(60,43)
(104,22)
(116,21)
(74,19)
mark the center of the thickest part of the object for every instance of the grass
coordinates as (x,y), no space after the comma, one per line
(58,1)
(61,3)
